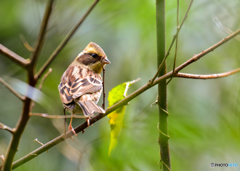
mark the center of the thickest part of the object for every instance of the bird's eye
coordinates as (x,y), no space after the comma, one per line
(94,55)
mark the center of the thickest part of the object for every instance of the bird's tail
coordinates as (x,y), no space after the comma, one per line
(89,108)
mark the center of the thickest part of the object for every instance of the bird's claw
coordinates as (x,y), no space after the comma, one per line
(88,122)
(70,128)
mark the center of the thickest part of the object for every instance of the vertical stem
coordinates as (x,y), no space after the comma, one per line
(13,146)
(103,105)
(162,87)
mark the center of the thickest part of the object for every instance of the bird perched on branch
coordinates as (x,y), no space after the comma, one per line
(80,87)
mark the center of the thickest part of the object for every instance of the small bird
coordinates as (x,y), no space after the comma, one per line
(80,87)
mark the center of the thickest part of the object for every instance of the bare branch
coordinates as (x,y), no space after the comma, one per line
(41,149)
(211,76)
(204,52)
(44,78)
(169,49)
(176,44)
(11,89)
(25,43)
(185,17)
(44,115)
(42,32)
(36,140)
(64,42)
(224,28)
(13,56)
(41,84)
(5,127)
(13,145)
(128,85)
(103,105)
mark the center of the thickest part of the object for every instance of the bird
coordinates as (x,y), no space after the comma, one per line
(80,87)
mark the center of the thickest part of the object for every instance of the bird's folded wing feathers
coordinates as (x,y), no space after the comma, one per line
(85,86)
(89,108)
(76,82)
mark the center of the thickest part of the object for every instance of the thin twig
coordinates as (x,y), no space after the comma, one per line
(176,44)
(65,119)
(5,127)
(11,89)
(185,17)
(44,115)
(224,28)
(64,42)
(210,76)
(103,105)
(204,52)
(119,104)
(25,43)
(169,49)
(44,78)
(128,85)
(41,84)
(36,140)
(42,32)
(13,56)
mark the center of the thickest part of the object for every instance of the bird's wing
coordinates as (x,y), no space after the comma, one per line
(77,81)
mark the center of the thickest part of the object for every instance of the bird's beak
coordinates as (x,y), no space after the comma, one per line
(105,61)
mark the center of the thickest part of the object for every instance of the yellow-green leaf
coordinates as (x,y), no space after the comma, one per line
(116,118)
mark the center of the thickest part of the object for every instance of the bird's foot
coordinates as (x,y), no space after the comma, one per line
(70,128)
(88,122)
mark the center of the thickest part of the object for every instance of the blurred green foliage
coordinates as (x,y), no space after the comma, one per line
(204,122)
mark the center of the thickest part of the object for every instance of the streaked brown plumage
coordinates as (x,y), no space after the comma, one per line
(81,84)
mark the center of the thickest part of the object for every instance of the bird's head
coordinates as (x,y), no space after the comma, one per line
(94,57)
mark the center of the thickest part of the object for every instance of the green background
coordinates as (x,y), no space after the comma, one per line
(204,122)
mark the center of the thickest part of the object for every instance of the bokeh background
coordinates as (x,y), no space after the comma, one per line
(204,122)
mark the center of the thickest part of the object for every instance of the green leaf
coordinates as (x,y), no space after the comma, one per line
(116,118)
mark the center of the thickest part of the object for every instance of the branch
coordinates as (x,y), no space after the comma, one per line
(64,42)
(42,32)
(211,76)
(119,104)
(41,84)
(224,28)
(176,44)
(13,56)
(41,149)
(13,146)
(11,89)
(44,78)
(103,85)
(5,127)
(25,43)
(204,52)
(169,49)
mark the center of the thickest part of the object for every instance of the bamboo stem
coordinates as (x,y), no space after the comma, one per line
(162,86)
